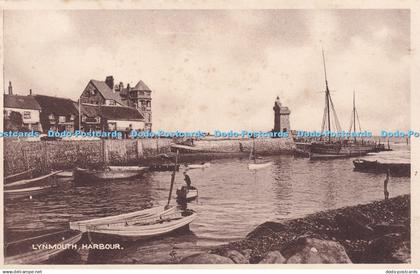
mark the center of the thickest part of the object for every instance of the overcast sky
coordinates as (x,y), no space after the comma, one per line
(222,69)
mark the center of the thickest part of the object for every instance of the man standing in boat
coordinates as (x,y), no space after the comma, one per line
(187,180)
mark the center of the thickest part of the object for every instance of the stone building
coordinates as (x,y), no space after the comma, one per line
(106,93)
(281,117)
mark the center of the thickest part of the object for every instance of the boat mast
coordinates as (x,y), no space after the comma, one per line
(327,97)
(354,116)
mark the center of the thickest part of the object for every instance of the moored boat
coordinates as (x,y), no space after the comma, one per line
(186,196)
(145,228)
(41,248)
(65,174)
(255,166)
(140,214)
(26,192)
(18,176)
(85,176)
(38,181)
(396,169)
(203,165)
(128,168)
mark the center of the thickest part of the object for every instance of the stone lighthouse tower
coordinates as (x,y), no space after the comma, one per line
(281,117)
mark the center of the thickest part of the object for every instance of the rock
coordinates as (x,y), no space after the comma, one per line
(273,257)
(390,248)
(206,258)
(386,228)
(265,229)
(315,251)
(247,254)
(236,256)
(354,225)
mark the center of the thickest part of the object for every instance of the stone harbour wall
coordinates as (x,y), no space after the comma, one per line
(263,146)
(55,155)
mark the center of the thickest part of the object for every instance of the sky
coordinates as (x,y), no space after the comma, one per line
(222,69)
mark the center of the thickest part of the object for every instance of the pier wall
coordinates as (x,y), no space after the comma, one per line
(263,146)
(45,155)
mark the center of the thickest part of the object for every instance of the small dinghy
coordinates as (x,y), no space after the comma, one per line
(154,212)
(128,168)
(85,176)
(26,192)
(65,174)
(42,180)
(41,248)
(186,196)
(203,165)
(145,228)
(18,176)
(257,166)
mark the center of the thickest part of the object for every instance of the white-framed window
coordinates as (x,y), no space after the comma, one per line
(51,116)
(72,117)
(62,119)
(26,115)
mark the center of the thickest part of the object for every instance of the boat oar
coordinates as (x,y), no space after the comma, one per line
(172,179)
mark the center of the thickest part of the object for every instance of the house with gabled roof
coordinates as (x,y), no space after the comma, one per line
(105,93)
(26,106)
(58,114)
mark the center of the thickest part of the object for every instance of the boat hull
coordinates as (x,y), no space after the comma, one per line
(26,192)
(396,169)
(86,177)
(259,166)
(132,232)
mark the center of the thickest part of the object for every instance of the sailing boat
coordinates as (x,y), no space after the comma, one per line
(255,165)
(326,149)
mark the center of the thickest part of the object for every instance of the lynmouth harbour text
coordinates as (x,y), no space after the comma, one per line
(76,246)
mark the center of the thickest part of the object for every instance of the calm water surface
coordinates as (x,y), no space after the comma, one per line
(232,201)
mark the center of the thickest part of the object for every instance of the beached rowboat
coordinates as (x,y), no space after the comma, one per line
(23,251)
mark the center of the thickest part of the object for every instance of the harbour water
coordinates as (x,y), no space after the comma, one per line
(232,201)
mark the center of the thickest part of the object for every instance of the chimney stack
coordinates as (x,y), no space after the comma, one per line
(109,81)
(30,91)
(10,88)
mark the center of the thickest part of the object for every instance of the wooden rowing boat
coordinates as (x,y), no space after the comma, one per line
(396,169)
(42,180)
(41,248)
(26,192)
(18,176)
(186,196)
(65,174)
(141,214)
(84,176)
(257,166)
(145,228)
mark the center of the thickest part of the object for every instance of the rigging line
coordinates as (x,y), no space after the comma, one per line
(338,126)
(324,118)
(360,126)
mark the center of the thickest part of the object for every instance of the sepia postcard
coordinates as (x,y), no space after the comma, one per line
(196,133)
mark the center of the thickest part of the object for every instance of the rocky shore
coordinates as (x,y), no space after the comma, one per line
(378,232)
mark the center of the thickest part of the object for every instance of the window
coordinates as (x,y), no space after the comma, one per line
(51,116)
(72,117)
(62,119)
(26,115)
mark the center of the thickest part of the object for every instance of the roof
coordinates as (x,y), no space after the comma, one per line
(111,112)
(141,86)
(106,91)
(20,101)
(56,105)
